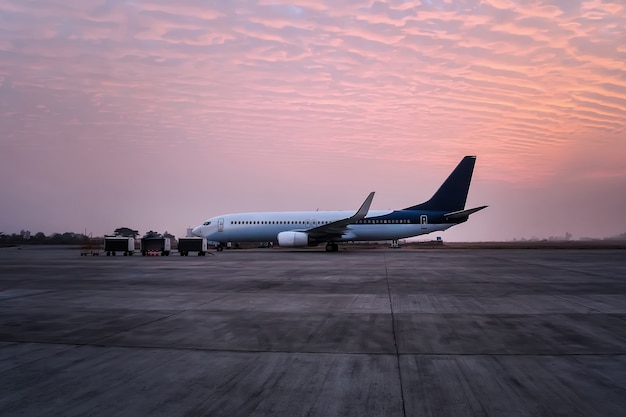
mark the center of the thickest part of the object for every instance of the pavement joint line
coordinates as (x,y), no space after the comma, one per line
(395,339)
(139,325)
(39,292)
(561,268)
(291,352)
(199,306)
(617,316)
(68,347)
(580,304)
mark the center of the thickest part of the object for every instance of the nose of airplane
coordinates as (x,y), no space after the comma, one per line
(197,231)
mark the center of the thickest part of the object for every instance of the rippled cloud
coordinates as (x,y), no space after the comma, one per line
(522,84)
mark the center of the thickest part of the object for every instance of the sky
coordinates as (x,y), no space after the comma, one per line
(157,115)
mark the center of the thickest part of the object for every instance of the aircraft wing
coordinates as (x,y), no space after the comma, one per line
(463,213)
(338,228)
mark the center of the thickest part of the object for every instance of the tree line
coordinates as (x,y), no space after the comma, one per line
(25,237)
(39,238)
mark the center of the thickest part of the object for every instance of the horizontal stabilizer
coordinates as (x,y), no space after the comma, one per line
(463,213)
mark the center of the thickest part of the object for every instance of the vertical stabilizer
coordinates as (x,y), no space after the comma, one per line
(452,194)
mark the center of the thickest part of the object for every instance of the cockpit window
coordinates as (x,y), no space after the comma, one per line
(206,223)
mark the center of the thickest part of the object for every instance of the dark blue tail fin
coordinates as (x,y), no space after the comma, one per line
(452,194)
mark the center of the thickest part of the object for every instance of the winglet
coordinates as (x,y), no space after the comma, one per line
(337,228)
(365,207)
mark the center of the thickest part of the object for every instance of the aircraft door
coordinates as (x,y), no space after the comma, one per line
(424,221)
(220,225)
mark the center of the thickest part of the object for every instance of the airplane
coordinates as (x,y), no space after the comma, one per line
(446,208)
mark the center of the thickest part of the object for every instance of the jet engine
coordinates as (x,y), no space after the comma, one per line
(293,239)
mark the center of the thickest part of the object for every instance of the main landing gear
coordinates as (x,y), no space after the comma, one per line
(332,247)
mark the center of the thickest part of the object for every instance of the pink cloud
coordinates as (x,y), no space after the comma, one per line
(316,89)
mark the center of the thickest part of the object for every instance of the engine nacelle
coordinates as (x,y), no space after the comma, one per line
(293,239)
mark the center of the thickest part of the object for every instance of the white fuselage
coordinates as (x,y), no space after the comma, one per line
(265,226)
(443,210)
